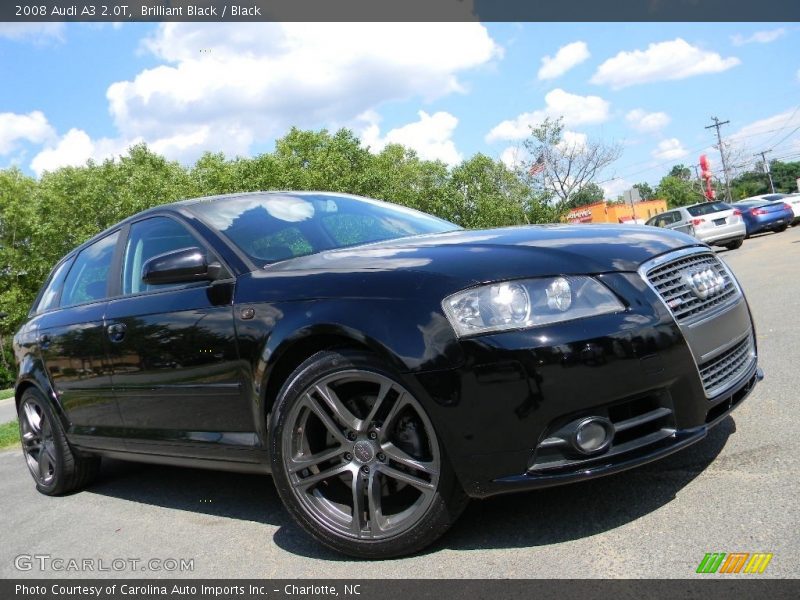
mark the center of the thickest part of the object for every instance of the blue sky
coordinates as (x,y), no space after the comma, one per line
(78,91)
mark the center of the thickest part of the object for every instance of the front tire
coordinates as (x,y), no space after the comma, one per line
(356,460)
(55,467)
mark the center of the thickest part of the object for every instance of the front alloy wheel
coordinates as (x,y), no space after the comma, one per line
(358,461)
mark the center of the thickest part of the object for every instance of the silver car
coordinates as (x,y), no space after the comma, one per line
(715,223)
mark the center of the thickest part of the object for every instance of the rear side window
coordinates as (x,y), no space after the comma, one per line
(49,297)
(707,209)
(88,278)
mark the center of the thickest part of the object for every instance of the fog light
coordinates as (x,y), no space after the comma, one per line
(593,435)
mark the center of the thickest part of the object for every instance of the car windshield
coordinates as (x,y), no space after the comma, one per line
(707,208)
(274,227)
(773,197)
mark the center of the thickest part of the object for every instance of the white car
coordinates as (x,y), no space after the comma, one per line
(715,223)
(792,200)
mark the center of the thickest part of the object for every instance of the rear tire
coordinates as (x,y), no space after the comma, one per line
(55,467)
(781,229)
(346,432)
(734,245)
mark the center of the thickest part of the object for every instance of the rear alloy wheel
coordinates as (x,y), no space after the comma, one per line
(357,461)
(54,466)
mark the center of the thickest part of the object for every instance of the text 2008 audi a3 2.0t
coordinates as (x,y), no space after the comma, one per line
(382,364)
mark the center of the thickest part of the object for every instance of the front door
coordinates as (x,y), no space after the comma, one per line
(176,370)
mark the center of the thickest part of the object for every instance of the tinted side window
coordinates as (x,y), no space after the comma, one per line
(51,292)
(88,277)
(147,239)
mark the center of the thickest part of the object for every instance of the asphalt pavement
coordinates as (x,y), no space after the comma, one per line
(736,491)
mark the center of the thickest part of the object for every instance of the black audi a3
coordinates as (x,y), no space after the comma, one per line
(384,365)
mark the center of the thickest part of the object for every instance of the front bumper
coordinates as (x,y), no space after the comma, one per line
(516,388)
(678,440)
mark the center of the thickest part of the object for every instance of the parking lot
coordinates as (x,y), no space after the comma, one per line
(736,491)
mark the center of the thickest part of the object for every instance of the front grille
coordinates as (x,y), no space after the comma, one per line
(668,280)
(725,369)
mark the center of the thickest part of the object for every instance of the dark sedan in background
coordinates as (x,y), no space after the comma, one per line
(384,365)
(764,215)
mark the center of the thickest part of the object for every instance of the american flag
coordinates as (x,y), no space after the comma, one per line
(537,166)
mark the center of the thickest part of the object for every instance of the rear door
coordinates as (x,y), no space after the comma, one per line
(72,343)
(681,222)
(176,369)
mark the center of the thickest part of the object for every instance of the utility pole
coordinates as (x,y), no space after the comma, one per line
(766,168)
(699,182)
(717,124)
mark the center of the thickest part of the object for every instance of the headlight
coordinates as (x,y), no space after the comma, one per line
(528,303)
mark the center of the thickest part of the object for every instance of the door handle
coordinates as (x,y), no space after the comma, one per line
(44,340)
(116,332)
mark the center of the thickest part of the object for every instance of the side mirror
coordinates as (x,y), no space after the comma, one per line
(179,266)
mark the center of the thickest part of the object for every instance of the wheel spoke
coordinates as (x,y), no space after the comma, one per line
(323,416)
(417,482)
(358,487)
(311,480)
(385,388)
(44,463)
(405,459)
(340,411)
(377,522)
(33,418)
(307,461)
(31,441)
(399,404)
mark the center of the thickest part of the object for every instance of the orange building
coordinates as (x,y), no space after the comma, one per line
(603,212)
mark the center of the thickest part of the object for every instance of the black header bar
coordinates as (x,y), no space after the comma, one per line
(401,10)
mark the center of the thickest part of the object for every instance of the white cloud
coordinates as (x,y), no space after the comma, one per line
(74,148)
(759,37)
(662,61)
(572,140)
(513,157)
(669,149)
(431,136)
(765,133)
(16,128)
(615,187)
(566,58)
(225,87)
(37,33)
(575,109)
(646,122)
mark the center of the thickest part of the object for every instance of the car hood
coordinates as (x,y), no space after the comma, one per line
(477,256)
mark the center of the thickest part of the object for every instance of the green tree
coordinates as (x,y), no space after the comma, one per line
(588,194)
(645,191)
(678,191)
(565,165)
